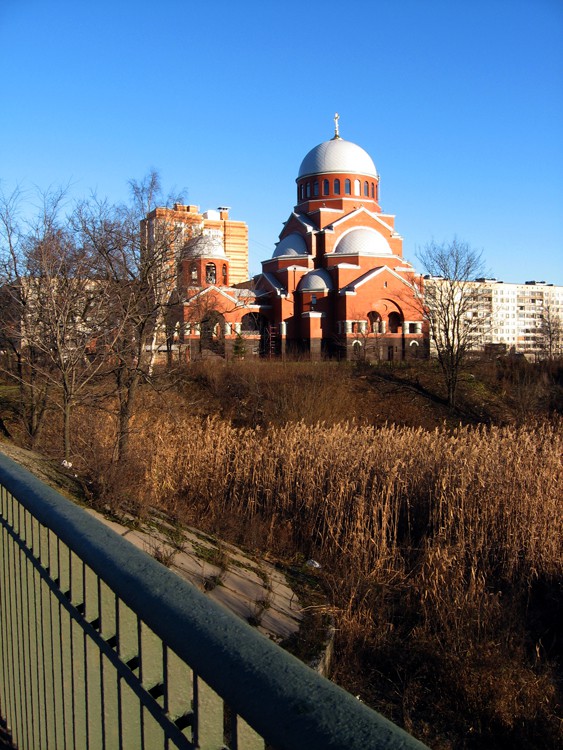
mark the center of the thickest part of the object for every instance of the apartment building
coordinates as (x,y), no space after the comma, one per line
(520,318)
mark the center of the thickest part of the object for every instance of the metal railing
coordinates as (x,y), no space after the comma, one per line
(103,647)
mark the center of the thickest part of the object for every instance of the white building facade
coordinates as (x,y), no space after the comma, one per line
(516,318)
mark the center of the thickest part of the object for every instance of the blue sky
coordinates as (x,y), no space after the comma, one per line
(460,104)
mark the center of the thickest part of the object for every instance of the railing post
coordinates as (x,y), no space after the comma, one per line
(209,726)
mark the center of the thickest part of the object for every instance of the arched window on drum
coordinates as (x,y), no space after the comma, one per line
(211,273)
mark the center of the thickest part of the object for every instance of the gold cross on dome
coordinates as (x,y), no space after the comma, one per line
(336,118)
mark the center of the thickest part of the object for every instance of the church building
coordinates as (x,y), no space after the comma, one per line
(337,283)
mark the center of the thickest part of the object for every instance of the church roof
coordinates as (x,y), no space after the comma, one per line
(337,155)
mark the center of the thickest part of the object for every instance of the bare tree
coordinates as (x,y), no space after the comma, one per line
(74,318)
(21,321)
(11,305)
(135,263)
(52,312)
(451,302)
(550,332)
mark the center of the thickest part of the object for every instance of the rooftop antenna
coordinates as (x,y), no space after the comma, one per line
(336,133)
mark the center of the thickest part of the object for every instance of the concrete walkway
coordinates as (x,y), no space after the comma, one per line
(254,591)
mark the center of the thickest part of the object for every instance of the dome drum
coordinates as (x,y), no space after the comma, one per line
(339,186)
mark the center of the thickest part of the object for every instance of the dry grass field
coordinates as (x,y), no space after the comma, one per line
(440,537)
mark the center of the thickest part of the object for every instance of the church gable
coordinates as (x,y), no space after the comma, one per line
(382,276)
(298,223)
(358,220)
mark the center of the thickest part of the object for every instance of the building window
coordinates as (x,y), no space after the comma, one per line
(210,273)
(224,273)
(347,187)
(193,272)
(302,191)
(372,191)
(395,322)
(325,187)
(366,189)
(357,187)
(252,323)
(308,190)
(374,320)
(316,188)
(337,187)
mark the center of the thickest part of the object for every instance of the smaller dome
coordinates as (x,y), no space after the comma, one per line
(318,280)
(363,241)
(293,244)
(205,246)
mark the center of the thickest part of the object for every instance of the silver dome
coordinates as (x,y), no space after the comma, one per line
(205,246)
(363,241)
(318,280)
(337,155)
(293,244)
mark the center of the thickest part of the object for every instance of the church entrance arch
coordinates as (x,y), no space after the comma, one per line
(212,333)
(256,324)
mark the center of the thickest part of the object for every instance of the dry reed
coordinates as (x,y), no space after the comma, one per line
(433,546)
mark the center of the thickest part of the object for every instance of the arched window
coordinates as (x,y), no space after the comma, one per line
(308,190)
(325,187)
(316,188)
(372,191)
(210,273)
(250,323)
(347,187)
(302,191)
(357,187)
(224,273)
(193,272)
(337,187)
(366,189)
